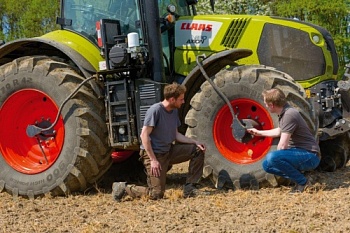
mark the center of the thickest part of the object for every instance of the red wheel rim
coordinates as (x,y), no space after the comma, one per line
(21,152)
(235,151)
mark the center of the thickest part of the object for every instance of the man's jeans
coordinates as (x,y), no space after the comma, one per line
(289,163)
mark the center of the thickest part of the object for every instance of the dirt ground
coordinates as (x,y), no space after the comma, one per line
(323,208)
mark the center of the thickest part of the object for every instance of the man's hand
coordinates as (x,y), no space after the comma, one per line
(155,168)
(253,131)
(272,133)
(200,145)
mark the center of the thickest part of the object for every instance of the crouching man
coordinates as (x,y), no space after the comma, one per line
(158,152)
(297,149)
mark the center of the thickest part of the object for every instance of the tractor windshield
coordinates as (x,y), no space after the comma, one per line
(85,13)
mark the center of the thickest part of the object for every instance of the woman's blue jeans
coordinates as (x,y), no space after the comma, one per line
(289,163)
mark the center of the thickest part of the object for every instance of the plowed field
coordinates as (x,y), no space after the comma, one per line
(325,207)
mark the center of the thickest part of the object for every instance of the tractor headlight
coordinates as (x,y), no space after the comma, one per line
(171,8)
(316,39)
(121,130)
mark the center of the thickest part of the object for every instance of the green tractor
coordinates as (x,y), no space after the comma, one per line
(73,99)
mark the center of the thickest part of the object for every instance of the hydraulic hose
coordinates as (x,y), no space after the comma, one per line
(33,130)
(239,131)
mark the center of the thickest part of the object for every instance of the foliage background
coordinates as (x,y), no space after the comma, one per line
(24,19)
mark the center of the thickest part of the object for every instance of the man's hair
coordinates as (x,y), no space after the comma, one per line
(174,90)
(275,96)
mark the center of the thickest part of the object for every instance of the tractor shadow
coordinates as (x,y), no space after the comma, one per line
(340,178)
(132,171)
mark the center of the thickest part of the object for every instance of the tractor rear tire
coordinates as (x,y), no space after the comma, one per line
(228,162)
(335,153)
(69,158)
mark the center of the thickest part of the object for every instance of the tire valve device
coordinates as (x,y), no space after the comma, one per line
(33,130)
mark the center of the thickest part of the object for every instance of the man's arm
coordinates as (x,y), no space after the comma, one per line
(146,142)
(283,142)
(272,133)
(182,138)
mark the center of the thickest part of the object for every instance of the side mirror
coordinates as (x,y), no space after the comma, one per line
(212,3)
(191,2)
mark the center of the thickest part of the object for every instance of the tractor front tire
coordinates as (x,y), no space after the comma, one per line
(228,162)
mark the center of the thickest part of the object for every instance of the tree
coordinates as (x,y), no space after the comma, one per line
(24,18)
(251,7)
(2,10)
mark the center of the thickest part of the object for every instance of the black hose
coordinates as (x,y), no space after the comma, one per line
(33,130)
(214,86)
(238,129)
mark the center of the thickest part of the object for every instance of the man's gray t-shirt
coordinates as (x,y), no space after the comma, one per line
(164,125)
(290,121)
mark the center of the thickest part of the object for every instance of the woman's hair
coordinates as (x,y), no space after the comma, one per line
(173,90)
(275,96)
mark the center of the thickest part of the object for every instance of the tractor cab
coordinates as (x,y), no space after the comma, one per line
(81,16)
(106,23)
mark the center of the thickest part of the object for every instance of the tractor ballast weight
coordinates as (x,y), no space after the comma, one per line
(113,58)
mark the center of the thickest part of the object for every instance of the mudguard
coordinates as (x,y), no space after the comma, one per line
(47,46)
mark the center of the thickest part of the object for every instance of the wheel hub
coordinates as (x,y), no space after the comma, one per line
(251,149)
(30,155)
